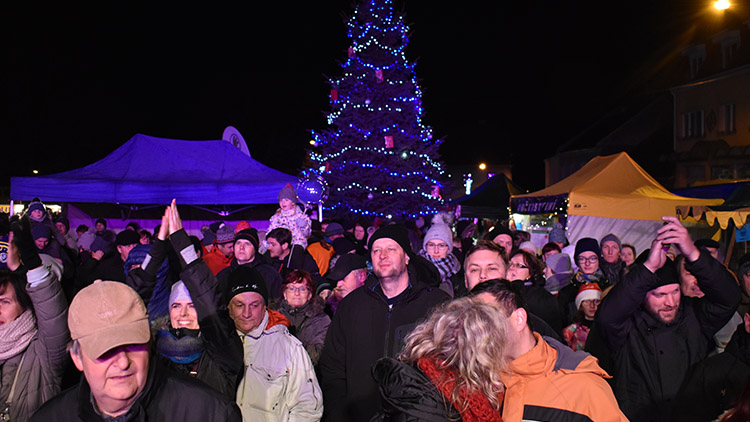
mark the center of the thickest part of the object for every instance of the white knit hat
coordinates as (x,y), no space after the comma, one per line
(179,292)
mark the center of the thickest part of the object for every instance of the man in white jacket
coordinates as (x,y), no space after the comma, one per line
(279,382)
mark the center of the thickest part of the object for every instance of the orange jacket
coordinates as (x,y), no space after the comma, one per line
(217,261)
(551,381)
(321,253)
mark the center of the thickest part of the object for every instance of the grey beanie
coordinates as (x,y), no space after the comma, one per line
(559,263)
(610,237)
(440,232)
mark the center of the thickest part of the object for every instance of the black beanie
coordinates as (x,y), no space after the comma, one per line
(250,235)
(587,244)
(395,232)
(246,279)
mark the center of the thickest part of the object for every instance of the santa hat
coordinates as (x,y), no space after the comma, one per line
(588,291)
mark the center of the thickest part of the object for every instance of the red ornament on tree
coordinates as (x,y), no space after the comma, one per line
(328,166)
(379,75)
(388,141)
(334,95)
(351,52)
(435,191)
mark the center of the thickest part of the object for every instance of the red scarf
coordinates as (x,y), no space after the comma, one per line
(479,408)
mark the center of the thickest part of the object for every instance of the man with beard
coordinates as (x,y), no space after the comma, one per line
(654,334)
(372,322)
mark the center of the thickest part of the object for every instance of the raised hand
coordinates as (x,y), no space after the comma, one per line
(674,233)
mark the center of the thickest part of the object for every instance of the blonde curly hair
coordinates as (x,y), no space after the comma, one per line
(468,338)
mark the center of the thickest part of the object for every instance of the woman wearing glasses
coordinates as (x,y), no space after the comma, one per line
(525,271)
(587,257)
(304,310)
(437,248)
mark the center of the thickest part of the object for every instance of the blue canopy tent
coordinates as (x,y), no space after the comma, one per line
(148,170)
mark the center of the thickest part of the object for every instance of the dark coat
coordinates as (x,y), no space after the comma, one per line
(309,324)
(542,303)
(298,259)
(652,358)
(364,330)
(166,397)
(409,396)
(716,382)
(220,365)
(269,274)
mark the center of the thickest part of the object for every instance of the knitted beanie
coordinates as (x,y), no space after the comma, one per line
(288,193)
(587,244)
(438,231)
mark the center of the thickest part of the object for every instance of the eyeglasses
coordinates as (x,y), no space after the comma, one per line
(589,260)
(517,265)
(437,246)
(301,289)
(591,301)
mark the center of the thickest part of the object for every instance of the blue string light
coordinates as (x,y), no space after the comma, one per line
(377,143)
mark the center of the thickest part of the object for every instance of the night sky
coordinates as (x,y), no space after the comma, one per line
(501,81)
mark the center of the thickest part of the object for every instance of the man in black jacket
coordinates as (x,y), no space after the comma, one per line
(654,334)
(246,254)
(372,322)
(111,346)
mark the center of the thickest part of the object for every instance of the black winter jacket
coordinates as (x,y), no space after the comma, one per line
(269,274)
(409,396)
(365,329)
(166,397)
(716,382)
(651,359)
(220,365)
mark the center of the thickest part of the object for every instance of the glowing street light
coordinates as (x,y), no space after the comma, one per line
(722,4)
(482,166)
(35,171)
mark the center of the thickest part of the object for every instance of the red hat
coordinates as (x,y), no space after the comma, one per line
(586,292)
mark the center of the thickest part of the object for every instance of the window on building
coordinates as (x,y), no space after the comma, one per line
(692,124)
(696,55)
(730,43)
(728,118)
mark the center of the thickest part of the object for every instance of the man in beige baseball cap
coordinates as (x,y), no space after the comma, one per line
(112,347)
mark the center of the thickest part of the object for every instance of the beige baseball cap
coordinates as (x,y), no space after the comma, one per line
(105,315)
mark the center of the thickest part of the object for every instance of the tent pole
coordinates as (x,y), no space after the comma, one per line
(10,213)
(320,211)
(730,248)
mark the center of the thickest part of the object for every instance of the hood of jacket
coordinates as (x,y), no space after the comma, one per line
(549,355)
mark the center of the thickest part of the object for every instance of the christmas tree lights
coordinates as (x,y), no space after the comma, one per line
(377,156)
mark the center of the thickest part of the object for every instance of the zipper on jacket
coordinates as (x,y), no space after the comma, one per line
(387,331)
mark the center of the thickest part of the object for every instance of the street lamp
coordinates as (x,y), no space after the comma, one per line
(722,4)
(482,166)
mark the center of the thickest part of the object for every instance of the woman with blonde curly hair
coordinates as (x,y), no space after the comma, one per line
(451,364)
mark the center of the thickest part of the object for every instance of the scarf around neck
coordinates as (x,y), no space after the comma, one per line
(16,335)
(598,277)
(447,266)
(185,349)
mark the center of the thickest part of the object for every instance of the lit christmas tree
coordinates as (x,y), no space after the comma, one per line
(377,156)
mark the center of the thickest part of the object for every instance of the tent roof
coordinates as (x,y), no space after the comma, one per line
(612,186)
(149,170)
(489,200)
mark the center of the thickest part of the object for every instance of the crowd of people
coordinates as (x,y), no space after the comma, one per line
(366,321)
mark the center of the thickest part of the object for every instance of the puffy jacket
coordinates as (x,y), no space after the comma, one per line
(651,359)
(44,359)
(365,329)
(409,395)
(295,221)
(716,382)
(551,382)
(166,397)
(309,324)
(279,382)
